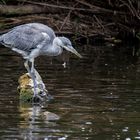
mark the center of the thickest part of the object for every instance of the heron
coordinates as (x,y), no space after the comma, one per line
(31,40)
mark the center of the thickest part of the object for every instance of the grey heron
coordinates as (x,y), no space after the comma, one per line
(32,40)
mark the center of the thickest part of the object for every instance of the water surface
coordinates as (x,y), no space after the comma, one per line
(96,98)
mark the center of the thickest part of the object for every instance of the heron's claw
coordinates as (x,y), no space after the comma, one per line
(37,98)
(42,96)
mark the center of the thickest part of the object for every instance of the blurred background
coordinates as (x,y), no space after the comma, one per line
(108,19)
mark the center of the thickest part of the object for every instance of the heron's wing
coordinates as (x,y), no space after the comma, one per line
(25,38)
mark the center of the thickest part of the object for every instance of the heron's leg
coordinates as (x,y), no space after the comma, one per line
(38,78)
(33,76)
(42,86)
(37,75)
(27,67)
(33,73)
(41,83)
(32,66)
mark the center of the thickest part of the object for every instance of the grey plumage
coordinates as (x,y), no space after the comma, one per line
(34,39)
(27,37)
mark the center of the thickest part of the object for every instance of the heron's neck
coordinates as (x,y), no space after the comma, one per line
(52,49)
(56,49)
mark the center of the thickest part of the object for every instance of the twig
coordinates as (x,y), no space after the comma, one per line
(66,18)
(134,10)
(99,21)
(131,8)
(94,9)
(97,8)
(58,6)
(125,27)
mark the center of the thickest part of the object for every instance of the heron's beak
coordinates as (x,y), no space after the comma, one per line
(72,50)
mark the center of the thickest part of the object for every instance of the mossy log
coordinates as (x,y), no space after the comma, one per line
(26,88)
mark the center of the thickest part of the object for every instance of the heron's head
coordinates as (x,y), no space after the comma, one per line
(66,44)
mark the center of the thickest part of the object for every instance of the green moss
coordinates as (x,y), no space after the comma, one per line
(26,95)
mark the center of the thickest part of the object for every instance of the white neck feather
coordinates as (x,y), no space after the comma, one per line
(53,49)
(56,46)
(57,41)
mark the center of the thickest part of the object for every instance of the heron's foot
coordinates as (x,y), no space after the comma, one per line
(37,99)
(44,92)
(42,96)
(47,95)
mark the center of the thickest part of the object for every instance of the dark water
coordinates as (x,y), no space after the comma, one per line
(96,98)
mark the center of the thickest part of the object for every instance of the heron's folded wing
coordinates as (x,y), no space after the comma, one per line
(24,38)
